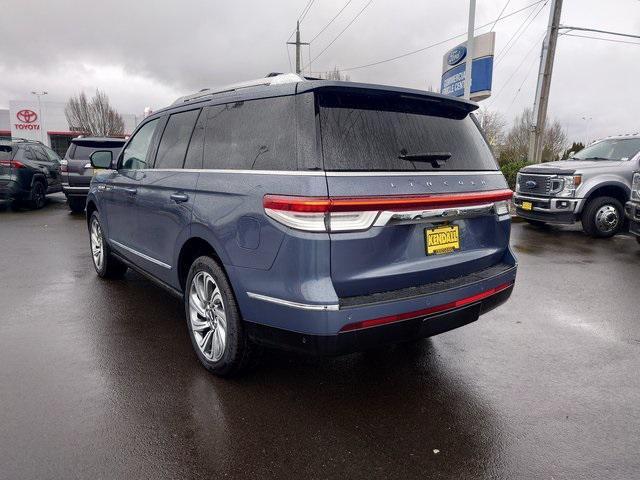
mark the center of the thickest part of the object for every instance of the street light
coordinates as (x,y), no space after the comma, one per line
(40,94)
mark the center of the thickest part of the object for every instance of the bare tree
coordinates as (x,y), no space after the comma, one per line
(93,116)
(335,74)
(492,123)
(516,145)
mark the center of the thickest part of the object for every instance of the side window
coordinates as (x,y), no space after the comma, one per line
(39,153)
(28,154)
(252,135)
(196,145)
(53,156)
(134,156)
(175,139)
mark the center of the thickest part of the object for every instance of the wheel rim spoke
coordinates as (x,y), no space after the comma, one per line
(207,316)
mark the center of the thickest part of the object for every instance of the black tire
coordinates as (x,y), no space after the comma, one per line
(76,205)
(110,267)
(238,353)
(638,239)
(599,219)
(535,223)
(38,196)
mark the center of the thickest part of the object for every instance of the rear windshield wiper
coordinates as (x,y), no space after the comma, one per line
(435,158)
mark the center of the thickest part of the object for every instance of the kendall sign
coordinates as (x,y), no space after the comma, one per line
(27,119)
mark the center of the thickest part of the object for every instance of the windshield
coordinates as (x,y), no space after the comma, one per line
(387,133)
(5,152)
(614,149)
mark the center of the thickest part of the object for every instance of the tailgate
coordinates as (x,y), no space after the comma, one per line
(428,201)
(412,246)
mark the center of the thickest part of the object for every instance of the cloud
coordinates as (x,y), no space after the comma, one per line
(147,52)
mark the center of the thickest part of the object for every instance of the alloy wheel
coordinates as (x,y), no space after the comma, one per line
(207,316)
(97,250)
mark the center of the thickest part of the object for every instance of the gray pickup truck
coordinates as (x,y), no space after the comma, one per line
(632,208)
(592,186)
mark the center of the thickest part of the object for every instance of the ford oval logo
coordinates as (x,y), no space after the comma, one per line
(456,55)
(531,184)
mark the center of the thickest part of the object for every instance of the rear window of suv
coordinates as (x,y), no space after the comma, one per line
(83,151)
(6,152)
(369,132)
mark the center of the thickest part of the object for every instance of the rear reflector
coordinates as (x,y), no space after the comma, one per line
(343,214)
(426,311)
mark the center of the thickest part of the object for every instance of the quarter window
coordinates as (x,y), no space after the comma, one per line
(252,135)
(175,139)
(135,154)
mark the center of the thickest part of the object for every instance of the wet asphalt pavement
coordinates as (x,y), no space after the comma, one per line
(98,379)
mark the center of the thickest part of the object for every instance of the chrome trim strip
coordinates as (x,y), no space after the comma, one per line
(322,173)
(306,173)
(67,187)
(441,214)
(412,173)
(288,303)
(141,255)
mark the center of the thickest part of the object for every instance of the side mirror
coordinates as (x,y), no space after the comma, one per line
(101,159)
(571,154)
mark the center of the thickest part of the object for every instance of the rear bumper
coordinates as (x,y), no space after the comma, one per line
(416,327)
(632,211)
(357,323)
(75,191)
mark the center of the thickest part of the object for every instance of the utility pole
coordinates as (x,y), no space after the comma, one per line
(544,83)
(298,44)
(469,61)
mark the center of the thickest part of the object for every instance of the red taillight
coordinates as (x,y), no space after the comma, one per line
(358,213)
(426,311)
(11,163)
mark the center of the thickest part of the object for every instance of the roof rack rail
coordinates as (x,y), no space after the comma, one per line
(21,140)
(271,79)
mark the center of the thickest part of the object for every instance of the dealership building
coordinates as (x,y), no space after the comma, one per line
(46,123)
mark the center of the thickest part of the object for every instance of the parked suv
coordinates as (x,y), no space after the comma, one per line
(318,216)
(29,171)
(632,208)
(592,187)
(76,168)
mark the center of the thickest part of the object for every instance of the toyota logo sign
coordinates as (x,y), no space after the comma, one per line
(27,116)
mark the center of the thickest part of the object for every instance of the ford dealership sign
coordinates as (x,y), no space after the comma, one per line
(456,55)
(453,68)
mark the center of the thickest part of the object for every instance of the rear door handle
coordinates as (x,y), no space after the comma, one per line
(179,197)
(130,190)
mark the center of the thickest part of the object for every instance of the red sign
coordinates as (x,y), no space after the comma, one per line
(27,116)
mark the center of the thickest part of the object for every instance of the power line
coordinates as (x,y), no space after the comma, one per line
(509,45)
(413,52)
(301,16)
(500,15)
(289,57)
(600,38)
(343,30)
(526,56)
(526,76)
(331,21)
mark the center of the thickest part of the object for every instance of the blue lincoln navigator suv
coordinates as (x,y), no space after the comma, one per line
(318,216)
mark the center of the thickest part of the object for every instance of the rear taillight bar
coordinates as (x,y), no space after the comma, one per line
(463,302)
(341,214)
(11,163)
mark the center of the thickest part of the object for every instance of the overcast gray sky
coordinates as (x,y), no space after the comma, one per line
(145,52)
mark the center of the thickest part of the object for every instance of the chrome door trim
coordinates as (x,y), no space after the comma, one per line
(141,255)
(412,173)
(288,303)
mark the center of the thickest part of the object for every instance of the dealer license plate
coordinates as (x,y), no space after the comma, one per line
(441,240)
(527,206)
